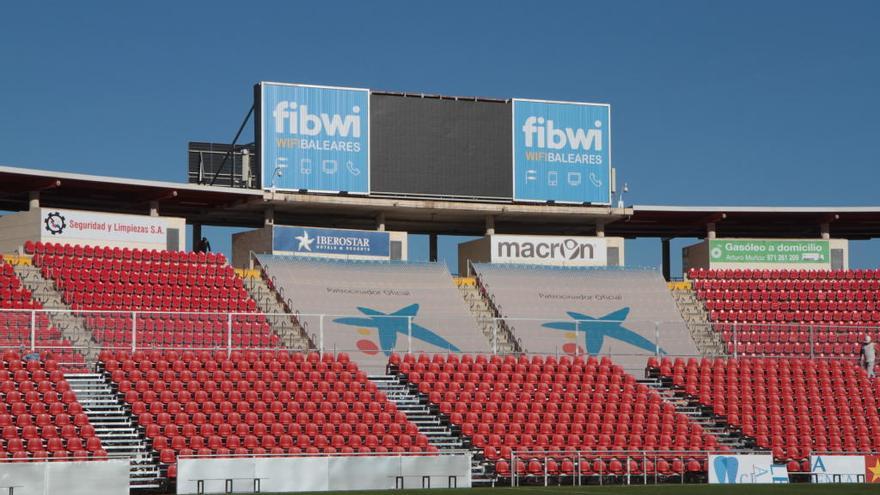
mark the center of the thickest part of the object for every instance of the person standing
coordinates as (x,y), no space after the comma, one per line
(867,355)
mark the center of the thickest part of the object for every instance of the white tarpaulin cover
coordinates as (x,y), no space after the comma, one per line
(837,468)
(742,469)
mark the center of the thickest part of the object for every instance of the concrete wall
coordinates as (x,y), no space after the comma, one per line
(476,251)
(695,256)
(16,228)
(258,241)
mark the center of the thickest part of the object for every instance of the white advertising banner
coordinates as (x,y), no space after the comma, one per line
(549,250)
(68,478)
(744,469)
(837,468)
(88,227)
(330,473)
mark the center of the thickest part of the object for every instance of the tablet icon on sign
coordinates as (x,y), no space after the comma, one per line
(329,167)
(574,178)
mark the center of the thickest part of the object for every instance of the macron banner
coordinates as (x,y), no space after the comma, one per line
(315,138)
(549,250)
(340,242)
(561,151)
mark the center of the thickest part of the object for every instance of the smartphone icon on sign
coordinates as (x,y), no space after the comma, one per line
(552,178)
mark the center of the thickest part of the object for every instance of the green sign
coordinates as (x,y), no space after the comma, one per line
(758,251)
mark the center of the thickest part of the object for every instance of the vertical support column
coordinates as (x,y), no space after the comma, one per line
(229,335)
(825,230)
(490,225)
(600,229)
(432,247)
(664,243)
(154,208)
(269,216)
(133,331)
(321,335)
(33,200)
(409,334)
(33,329)
(710,230)
(380,221)
(196,235)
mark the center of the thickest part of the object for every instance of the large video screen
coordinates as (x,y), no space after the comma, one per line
(440,147)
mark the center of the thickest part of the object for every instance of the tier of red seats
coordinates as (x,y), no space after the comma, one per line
(183,298)
(503,404)
(790,312)
(39,414)
(250,402)
(792,406)
(16,320)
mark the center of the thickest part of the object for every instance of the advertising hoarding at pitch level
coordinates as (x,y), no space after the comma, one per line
(315,138)
(561,152)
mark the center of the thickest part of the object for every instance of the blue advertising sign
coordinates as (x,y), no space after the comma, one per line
(561,152)
(315,138)
(305,240)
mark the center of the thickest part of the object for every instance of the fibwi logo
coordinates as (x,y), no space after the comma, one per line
(539,132)
(294,118)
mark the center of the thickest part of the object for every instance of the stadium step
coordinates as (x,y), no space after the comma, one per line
(695,412)
(501,340)
(282,321)
(438,430)
(119,435)
(694,314)
(70,325)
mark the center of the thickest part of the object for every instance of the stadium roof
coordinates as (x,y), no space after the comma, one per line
(224,206)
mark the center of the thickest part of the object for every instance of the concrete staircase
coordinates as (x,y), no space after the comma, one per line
(283,323)
(439,432)
(113,424)
(699,414)
(499,336)
(72,327)
(694,314)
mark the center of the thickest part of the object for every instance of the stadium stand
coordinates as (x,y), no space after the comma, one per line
(790,312)
(552,408)
(16,323)
(255,403)
(183,299)
(794,407)
(40,416)
(538,302)
(368,304)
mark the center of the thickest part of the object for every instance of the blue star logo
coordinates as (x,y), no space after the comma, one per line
(389,325)
(596,329)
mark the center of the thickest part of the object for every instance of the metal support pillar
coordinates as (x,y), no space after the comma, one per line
(432,247)
(666,268)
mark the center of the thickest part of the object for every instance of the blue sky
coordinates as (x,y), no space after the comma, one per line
(736,103)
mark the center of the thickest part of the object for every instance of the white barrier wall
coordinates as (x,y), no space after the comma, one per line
(837,468)
(745,469)
(65,478)
(306,474)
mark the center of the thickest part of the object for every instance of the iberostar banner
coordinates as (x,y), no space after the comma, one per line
(315,138)
(561,151)
(330,242)
(769,251)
